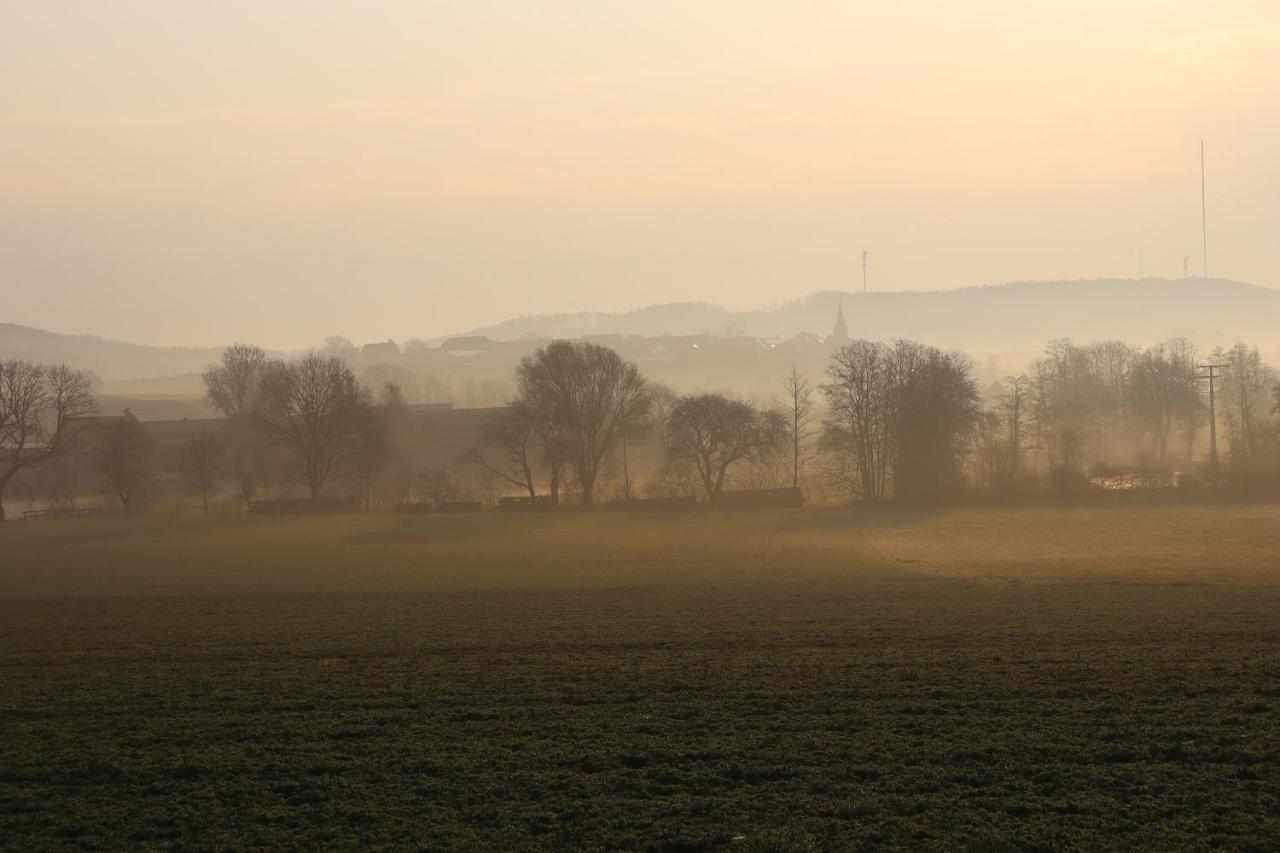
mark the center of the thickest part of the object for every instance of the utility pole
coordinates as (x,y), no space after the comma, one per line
(1204,227)
(1213,419)
(864,270)
(626,475)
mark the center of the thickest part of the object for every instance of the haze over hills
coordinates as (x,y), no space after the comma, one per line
(1014,318)
(109,359)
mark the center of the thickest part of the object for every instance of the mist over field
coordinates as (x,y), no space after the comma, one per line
(670,427)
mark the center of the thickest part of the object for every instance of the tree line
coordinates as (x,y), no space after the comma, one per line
(899,421)
(887,421)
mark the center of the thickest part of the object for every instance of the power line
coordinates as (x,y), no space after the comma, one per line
(1213,419)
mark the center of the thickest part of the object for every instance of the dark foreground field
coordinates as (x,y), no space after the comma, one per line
(764,680)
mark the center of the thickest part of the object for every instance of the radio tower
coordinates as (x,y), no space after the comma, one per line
(864,270)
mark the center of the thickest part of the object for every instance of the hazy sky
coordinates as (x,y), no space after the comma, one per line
(281,170)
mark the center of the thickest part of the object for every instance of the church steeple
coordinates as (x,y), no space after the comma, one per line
(841,331)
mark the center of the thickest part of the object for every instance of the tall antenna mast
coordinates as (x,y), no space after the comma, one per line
(1204,228)
(864,270)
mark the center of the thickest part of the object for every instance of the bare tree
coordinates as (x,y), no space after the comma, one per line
(371,446)
(42,410)
(1244,397)
(903,413)
(123,457)
(314,407)
(339,346)
(555,451)
(991,452)
(639,418)
(1015,412)
(588,397)
(201,454)
(1069,398)
(245,458)
(438,487)
(1166,388)
(513,436)
(858,410)
(231,387)
(799,401)
(935,409)
(712,433)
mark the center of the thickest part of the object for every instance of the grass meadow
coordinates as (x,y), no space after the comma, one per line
(760,680)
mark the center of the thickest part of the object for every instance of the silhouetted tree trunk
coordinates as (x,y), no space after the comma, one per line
(800,400)
(200,458)
(122,456)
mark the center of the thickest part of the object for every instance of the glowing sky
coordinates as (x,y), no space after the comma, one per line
(180,172)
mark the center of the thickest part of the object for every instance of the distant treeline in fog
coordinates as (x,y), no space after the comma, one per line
(582,424)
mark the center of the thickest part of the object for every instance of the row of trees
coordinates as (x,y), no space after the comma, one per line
(578,408)
(327,423)
(898,420)
(901,420)
(1108,404)
(48,416)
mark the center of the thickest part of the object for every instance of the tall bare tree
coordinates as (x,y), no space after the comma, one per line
(372,447)
(799,402)
(713,433)
(1245,393)
(588,396)
(1015,411)
(201,455)
(1166,388)
(314,407)
(122,455)
(935,409)
(231,387)
(42,411)
(857,425)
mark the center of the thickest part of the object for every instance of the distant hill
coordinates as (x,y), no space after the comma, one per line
(1008,318)
(1015,316)
(109,359)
